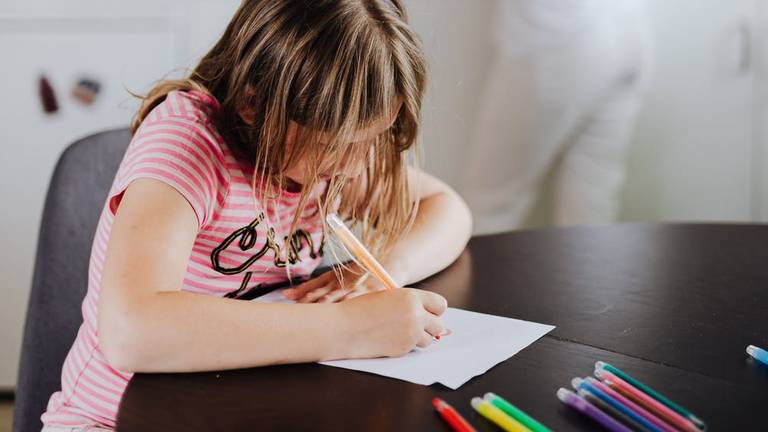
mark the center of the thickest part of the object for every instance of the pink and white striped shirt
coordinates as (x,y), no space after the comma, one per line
(239,245)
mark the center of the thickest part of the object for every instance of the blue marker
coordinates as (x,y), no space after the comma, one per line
(758,354)
(581,385)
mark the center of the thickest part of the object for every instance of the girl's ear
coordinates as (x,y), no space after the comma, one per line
(248,114)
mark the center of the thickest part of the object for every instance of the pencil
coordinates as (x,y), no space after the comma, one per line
(359,252)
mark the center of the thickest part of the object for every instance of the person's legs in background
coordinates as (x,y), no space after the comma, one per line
(561,70)
(591,171)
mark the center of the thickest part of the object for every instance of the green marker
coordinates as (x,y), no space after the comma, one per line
(653,393)
(515,413)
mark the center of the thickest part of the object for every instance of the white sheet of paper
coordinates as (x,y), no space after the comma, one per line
(477,343)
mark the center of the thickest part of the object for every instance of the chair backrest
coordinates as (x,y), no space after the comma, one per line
(76,196)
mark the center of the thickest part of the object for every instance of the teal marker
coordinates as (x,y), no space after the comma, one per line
(758,354)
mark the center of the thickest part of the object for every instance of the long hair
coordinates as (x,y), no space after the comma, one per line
(333,67)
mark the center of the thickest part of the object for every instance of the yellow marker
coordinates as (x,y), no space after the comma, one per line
(497,416)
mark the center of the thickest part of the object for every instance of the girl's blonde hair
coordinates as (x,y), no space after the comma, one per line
(333,67)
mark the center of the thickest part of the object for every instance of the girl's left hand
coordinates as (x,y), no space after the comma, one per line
(330,288)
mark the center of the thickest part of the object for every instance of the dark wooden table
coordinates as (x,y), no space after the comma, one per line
(674,305)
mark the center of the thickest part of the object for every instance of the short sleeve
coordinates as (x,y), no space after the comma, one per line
(179,152)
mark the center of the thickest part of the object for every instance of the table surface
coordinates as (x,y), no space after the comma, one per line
(674,305)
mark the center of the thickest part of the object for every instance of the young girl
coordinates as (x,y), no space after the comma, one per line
(302,108)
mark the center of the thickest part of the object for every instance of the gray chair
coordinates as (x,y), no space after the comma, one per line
(75,198)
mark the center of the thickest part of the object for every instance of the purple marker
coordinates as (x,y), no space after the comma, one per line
(579,404)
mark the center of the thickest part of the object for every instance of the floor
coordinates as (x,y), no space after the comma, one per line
(6,415)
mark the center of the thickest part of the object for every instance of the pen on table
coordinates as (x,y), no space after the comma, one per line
(584,407)
(359,252)
(640,421)
(451,416)
(611,411)
(651,404)
(515,412)
(652,393)
(497,416)
(758,354)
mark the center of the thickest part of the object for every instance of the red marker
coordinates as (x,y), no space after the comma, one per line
(451,416)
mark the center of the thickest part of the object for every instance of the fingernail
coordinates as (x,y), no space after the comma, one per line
(437,337)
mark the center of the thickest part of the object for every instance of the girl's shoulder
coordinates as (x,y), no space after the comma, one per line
(192,105)
(188,115)
(177,143)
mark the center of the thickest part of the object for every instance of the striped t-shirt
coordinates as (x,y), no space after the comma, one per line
(239,245)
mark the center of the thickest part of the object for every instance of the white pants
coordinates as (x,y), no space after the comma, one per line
(562,98)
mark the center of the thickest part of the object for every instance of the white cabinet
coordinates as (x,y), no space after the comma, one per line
(697,150)
(126,46)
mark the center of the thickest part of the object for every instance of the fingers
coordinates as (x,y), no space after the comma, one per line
(302,289)
(434,303)
(434,326)
(354,293)
(433,330)
(317,293)
(334,296)
(425,340)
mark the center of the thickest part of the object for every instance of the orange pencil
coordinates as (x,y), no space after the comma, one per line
(359,251)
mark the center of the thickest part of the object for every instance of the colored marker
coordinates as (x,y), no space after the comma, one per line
(652,405)
(581,384)
(497,416)
(758,354)
(611,411)
(515,413)
(652,393)
(659,423)
(451,416)
(589,410)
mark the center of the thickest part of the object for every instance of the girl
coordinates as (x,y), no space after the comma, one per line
(303,107)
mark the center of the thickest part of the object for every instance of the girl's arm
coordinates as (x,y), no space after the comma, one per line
(145,323)
(440,232)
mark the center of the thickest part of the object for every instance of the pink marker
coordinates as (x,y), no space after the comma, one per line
(646,401)
(661,424)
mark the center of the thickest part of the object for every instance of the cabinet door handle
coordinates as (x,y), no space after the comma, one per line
(745,48)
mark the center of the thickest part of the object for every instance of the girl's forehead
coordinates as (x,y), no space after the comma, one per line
(371,130)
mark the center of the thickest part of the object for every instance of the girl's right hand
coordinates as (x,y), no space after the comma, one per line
(392,323)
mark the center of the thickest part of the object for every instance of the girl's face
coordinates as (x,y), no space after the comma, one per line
(362,137)
(352,169)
